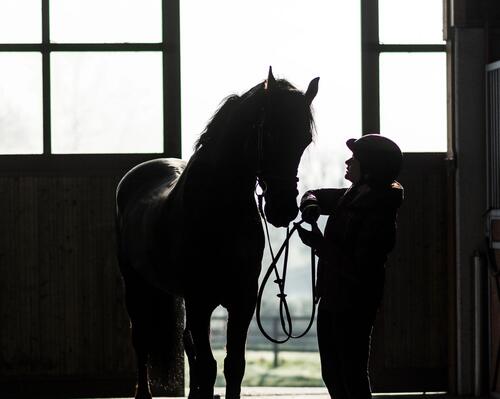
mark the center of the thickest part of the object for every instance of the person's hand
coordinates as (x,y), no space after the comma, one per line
(312,238)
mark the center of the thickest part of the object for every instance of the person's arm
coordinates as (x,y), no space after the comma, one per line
(327,198)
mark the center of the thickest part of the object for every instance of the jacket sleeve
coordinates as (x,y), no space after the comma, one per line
(327,198)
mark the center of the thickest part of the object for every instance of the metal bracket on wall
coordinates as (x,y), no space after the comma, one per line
(493,243)
(493,228)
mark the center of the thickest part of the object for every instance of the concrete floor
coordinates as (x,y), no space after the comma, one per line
(319,393)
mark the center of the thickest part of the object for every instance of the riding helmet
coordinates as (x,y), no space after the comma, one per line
(380,157)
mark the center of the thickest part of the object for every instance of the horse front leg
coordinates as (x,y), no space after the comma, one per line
(239,318)
(204,371)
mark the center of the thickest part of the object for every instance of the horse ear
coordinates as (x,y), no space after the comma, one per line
(270,82)
(312,90)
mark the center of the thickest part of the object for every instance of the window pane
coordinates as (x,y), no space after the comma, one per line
(107,102)
(106,21)
(21,113)
(20,21)
(411,21)
(413,100)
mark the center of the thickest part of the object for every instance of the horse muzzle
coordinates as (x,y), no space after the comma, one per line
(280,215)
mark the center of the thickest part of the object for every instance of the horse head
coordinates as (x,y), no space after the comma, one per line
(276,121)
(284,132)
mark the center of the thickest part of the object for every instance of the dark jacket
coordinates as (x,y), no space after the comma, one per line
(359,234)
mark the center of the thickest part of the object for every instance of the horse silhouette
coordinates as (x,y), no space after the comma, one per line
(193,230)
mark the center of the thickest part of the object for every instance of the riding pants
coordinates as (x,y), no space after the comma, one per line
(344,347)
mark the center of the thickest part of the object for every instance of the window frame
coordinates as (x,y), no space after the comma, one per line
(93,163)
(371,48)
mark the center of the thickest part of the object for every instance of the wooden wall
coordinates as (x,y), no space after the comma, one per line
(494,320)
(64,329)
(412,335)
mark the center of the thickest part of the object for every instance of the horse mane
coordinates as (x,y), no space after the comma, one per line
(221,119)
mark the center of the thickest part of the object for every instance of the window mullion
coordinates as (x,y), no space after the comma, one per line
(370,67)
(171,79)
(47,147)
(411,48)
(68,47)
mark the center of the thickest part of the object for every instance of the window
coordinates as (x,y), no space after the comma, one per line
(106,102)
(89,77)
(300,40)
(227,48)
(21,108)
(100,51)
(409,64)
(413,100)
(20,21)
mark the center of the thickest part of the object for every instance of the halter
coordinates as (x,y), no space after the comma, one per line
(285,317)
(262,177)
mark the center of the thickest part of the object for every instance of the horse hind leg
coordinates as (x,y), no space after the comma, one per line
(153,318)
(191,356)
(140,327)
(139,341)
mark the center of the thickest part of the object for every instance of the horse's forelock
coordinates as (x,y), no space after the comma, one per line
(288,93)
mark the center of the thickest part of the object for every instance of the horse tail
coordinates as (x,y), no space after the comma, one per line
(155,327)
(166,340)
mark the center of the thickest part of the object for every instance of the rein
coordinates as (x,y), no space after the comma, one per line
(285,317)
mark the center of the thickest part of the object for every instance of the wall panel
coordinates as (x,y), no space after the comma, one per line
(410,340)
(61,304)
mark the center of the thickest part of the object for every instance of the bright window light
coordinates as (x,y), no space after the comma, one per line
(20,21)
(413,100)
(21,112)
(410,21)
(110,21)
(107,102)
(227,48)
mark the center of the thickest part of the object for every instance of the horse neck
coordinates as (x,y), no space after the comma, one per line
(232,162)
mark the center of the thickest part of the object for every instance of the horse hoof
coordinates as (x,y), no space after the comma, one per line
(197,395)
(143,394)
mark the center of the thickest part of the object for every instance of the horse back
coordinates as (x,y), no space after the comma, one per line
(142,196)
(147,177)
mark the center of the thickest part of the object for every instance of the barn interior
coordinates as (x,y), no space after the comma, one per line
(64,329)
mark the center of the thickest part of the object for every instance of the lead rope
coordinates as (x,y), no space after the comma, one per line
(285,317)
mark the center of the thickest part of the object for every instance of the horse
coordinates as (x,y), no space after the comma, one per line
(193,230)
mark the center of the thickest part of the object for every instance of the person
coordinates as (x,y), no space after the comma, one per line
(359,234)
